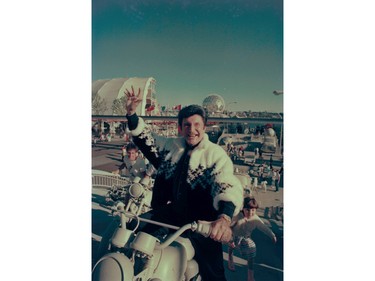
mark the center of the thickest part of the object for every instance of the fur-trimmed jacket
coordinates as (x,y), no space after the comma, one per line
(210,177)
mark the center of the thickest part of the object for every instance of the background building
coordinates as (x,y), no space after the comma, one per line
(108,96)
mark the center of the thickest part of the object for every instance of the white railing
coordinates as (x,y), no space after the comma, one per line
(100,179)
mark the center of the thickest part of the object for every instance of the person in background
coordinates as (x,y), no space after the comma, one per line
(281,171)
(243,226)
(228,146)
(102,137)
(240,151)
(271,162)
(276,179)
(256,152)
(194,181)
(133,165)
(123,152)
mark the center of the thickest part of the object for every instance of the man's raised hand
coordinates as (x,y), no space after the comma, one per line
(132,100)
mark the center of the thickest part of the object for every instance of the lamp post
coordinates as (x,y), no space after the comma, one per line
(281,138)
(277,93)
(227,109)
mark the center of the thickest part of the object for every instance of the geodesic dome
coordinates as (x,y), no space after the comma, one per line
(214,103)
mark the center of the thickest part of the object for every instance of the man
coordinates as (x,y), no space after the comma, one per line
(133,165)
(194,181)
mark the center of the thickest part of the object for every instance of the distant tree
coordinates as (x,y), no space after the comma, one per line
(118,106)
(98,104)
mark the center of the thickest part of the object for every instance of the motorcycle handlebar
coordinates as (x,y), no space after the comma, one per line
(204,229)
(199,227)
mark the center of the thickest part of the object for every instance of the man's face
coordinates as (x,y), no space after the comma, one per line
(132,154)
(193,129)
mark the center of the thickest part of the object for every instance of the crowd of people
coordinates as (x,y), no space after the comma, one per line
(101,137)
(235,152)
(263,175)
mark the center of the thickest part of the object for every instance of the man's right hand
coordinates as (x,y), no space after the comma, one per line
(221,230)
(133,100)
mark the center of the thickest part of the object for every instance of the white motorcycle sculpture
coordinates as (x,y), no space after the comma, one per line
(136,196)
(142,257)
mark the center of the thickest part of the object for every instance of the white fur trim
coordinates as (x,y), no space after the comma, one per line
(140,127)
(235,196)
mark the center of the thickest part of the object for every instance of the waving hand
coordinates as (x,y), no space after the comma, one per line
(133,100)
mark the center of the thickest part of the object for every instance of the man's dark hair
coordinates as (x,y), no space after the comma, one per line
(191,110)
(131,146)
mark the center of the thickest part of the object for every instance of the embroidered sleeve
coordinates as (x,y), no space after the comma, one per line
(226,186)
(149,144)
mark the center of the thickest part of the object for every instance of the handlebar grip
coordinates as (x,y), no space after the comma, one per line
(204,229)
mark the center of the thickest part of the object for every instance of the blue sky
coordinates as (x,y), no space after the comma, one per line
(193,49)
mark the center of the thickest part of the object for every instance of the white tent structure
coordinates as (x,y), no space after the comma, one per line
(112,89)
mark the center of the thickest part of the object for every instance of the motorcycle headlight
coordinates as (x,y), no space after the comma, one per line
(136,190)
